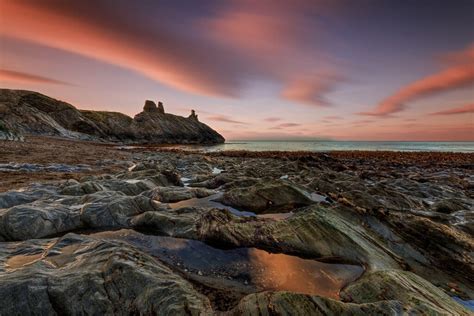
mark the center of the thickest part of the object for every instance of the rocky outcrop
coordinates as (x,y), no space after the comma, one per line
(7,134)
(268,197)
(154,125)
(33,113)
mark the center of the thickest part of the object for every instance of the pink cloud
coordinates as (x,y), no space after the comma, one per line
(22,77)
(163,54)
(285,125)
(276,34)
(267,29)
(272,119)
(311,90)
(240,41)
(225,119)
(468,108)
(459,73)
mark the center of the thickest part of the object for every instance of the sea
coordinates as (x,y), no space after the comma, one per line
(326,146)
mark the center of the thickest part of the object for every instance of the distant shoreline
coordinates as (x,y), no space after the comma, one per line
(106,157)
(331,146)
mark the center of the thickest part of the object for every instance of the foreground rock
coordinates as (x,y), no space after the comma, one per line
(33,113)
(395,285)
(268,197)
(407,232)
(78,275)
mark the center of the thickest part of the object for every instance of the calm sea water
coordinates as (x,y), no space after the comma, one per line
(341,145)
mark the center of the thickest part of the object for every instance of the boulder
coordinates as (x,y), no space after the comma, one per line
(267,197)
(176,194)
(448,206)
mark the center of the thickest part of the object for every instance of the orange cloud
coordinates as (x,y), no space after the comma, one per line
(22,77)
(240,41)
(457,75)
(177,60)
(468,108)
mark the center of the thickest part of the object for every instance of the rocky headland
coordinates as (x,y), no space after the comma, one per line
(30,113)
(163,231)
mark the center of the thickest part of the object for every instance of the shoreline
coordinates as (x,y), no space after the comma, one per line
(110,157)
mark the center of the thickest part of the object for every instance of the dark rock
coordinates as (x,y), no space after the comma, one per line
(150,106)
(287,303)
(161,108)
(78,275)
(415,253)
(267,197)
(418,296)
(176,194)
(27,112)
(8,134)
(193,115)
(449,206)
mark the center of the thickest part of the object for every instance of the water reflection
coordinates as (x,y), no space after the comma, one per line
(254,269)
(210,202)
(289,273)
(27,257)
(20,261)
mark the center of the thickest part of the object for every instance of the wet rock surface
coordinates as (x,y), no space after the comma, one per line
(189,233)
(31,167)
(267,197)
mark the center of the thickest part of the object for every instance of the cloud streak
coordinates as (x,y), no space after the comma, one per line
(22,77)
(468,108)
(458,75)
(272,119)
(231,43)
(285,125)
(159,52)
(311,90)
(224,118)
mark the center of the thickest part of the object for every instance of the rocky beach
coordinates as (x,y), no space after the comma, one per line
(240,157)
(101,228)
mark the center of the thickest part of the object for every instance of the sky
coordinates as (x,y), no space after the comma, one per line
(266,69)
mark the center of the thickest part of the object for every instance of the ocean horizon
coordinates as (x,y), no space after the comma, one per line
(329,145)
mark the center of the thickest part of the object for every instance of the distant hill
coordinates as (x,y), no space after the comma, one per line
(32,113)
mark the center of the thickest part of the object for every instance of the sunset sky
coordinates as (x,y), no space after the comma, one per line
(266,69)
